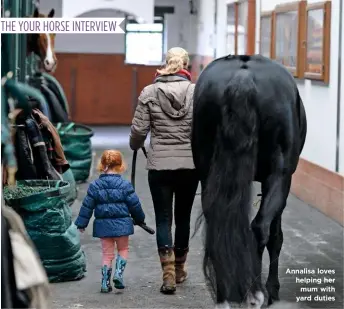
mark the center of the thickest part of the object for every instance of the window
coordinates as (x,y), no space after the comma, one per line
(144,43)
(289,35)
(298,36)
(267,35)
(286,39)
(318,41)
(241,27)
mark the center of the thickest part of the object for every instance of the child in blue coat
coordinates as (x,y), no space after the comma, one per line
(115,206)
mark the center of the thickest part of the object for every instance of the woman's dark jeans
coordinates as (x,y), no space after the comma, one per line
(182,184)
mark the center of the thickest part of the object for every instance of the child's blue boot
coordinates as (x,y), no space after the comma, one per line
(118,277)
(106,277)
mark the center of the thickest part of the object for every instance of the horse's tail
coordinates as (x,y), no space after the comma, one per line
(231,261)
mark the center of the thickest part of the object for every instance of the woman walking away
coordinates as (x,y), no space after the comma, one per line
(115,205)
(165,109)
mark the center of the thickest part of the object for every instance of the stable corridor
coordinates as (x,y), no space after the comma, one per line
(311,240)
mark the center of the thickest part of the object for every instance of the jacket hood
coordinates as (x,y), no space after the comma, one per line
(174,95)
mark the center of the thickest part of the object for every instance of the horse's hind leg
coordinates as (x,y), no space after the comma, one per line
(267,226)
(274,247)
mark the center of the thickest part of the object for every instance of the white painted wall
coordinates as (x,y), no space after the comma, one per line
(180,29)
(104,43)
(320,100)
(341,141)
(206,30)
(86,43)
(139,8)
(181,26)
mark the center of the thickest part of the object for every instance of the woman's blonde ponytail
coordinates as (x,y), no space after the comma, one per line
(176,59)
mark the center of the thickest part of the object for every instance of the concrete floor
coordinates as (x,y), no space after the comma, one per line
(311,241)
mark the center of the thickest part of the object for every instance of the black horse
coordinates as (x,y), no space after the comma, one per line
(249,125)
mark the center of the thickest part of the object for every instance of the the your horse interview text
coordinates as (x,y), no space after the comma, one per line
(61,25)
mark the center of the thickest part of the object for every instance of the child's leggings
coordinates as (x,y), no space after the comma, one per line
(108,248)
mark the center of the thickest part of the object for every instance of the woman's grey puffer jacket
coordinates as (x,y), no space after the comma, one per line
(165,108)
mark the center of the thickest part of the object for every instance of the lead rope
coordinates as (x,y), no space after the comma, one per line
(133,174)
(133,165)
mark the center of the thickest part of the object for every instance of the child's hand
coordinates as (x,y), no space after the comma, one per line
(82,230)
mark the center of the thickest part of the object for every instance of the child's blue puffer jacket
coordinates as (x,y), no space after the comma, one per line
(113,200)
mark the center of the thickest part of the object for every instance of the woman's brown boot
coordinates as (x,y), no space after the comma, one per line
(180,259)
(167,260)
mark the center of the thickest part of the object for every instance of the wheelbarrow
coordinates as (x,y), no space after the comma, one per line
(133,173)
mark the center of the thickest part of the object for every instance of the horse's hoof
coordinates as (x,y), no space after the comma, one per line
(273,293)
(272,300)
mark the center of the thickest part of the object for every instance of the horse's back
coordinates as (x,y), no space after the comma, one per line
(275,85)
(278,105)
